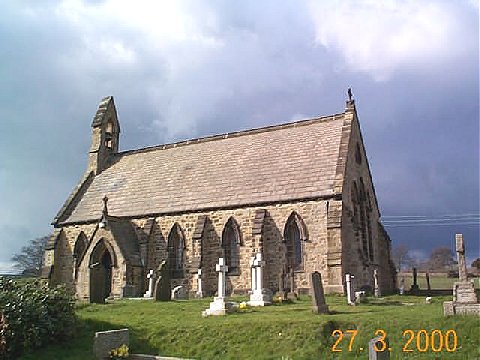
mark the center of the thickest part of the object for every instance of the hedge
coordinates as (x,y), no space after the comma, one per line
(32,315)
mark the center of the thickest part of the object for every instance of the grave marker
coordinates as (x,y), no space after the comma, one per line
(151,278)
(350,291)
(319,305)
(259,296)
(218,306)
(376,344)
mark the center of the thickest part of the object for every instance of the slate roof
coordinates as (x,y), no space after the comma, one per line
(273,164)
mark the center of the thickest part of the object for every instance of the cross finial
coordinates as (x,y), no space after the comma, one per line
(105,201)
(350,95)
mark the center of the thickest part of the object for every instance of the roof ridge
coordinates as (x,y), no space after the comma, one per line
(302,122)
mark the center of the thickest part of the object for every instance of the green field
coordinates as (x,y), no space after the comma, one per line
(285,331)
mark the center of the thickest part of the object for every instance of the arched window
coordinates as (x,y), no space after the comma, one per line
(231,241)
(79,251)
(176,247)
(294,233)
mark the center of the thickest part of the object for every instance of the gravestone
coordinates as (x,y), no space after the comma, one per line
(376,288)
(104,341)
(350,289)
(218,306)
(162,285)
(151,279)
(199,293)
(402,286)
(319,305)
(464,296)
(373,354)
(427,277)
(259,296)
(291,295)
(281,287)
(179,293)
(414,288)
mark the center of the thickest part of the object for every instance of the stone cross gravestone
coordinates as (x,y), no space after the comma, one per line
(218,306)
(319,305)
(104,341)
(162,285)
(151,279)
(376,287)
(464,296)
(402,286)
(375,345)
(281,287)
(350,290)
(259,296)
(291,295)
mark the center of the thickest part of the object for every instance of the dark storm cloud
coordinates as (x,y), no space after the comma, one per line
(187,69)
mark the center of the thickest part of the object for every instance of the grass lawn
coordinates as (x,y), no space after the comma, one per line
(288,331)
(436,282)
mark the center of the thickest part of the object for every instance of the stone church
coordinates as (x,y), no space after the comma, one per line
(300,193)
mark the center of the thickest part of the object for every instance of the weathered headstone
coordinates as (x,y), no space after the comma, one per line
(402,286)
(427,278)
(151,279)
(259,296)
(199,293)
(218,306)
(376,288)
(162,285)
(319,305)
(377,344)
(281,287)
(179,293)
(350,289)
(414,288)
(104,341)
(464,296)
(292,295)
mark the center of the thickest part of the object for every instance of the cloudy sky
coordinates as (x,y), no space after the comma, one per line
(186,69)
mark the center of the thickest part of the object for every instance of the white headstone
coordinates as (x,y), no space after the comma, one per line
(218,306)
(199,292)
(350,292)
(375,281)
(151,278)
(260,296)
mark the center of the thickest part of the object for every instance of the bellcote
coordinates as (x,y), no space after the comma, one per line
(105,135)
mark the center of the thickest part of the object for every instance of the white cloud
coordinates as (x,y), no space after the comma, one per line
(379,37)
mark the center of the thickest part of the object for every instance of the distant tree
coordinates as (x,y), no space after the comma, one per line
(441,258)
(401,257)
(476,263)
(30,258)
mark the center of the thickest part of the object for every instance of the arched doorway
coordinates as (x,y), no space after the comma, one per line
(102,261)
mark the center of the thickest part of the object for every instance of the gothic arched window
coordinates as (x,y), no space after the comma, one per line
(231,241)
(294,234)
(176,251)
(79,251)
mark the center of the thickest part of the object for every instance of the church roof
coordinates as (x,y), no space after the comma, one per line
(288,162)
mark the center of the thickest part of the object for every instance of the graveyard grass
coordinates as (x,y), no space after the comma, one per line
(285,331)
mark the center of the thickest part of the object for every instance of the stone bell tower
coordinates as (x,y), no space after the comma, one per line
(105,136)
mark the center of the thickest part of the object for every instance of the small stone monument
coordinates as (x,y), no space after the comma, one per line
(179,293)
(281,287)
(151,278)
(427,278)
(162,285)
(464,296)
(414,288)
(259,296)
(376,288)
(374,345)
(350,290)
(199,293)
(319,305)
(402,286)
(218,306)
(292,295)
(104,341)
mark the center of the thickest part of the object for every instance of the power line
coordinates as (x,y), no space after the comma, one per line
(431,224)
